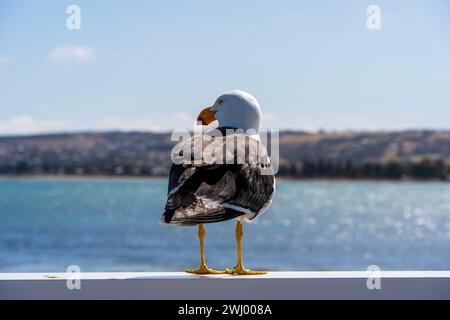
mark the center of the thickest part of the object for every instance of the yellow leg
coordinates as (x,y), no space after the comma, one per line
(239,268)
(203,269)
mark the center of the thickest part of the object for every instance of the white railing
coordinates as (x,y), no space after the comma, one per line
(274,285)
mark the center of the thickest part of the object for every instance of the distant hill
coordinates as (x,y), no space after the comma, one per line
(367,146)
(414,154)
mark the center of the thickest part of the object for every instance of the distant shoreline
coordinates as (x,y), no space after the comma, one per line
(388,156)
(78,177)
(144,178)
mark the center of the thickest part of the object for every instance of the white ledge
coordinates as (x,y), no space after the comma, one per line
(182,286)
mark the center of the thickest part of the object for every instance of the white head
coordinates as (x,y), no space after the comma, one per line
(235,109)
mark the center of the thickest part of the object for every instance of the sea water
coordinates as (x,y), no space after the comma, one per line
(114,225)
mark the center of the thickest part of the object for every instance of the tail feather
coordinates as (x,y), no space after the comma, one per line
(180,217)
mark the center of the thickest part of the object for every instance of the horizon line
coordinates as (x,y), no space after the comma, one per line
(167,131)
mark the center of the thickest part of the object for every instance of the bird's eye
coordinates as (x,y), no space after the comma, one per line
(220,101)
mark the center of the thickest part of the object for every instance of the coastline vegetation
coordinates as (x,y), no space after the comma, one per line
(393,170)
(307,169)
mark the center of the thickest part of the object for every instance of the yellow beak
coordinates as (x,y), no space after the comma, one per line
(207,116)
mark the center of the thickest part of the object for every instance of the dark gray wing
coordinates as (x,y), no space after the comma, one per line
(210,192)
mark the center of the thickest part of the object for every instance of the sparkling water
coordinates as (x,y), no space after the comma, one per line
(113,225)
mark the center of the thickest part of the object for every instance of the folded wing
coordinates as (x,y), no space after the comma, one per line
(206,191)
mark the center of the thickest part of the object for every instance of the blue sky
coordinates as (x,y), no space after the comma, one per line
(152,65)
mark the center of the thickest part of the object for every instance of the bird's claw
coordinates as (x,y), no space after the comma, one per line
(204,269)
(241,271)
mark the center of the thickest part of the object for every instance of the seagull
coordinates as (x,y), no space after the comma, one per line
(240,186)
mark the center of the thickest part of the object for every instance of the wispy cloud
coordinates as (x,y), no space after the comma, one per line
(29,125)
(25,124)
(3,60)
(71,54)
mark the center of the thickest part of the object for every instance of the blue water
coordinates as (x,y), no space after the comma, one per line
(113,225)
